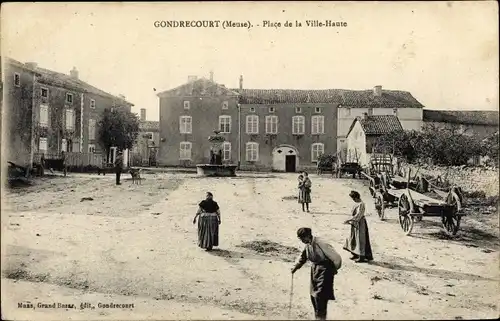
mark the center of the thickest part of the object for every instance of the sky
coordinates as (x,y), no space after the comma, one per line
(444,53)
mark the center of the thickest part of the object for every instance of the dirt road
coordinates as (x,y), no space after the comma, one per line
(137,244)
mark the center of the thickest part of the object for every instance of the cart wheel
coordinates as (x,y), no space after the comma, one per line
(380,206)
(451,222)
(405,220)
(372,188)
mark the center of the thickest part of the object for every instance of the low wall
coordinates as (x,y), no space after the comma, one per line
(470,179)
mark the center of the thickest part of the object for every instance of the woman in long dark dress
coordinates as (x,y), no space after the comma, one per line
(325,263)
(305,191)
(208,223)
(358,243)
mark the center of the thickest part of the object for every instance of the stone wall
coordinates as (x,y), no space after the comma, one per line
(470,179)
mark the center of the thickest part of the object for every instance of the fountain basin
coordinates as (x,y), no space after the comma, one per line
(212,170)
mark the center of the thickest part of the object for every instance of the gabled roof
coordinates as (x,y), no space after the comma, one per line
(199,87)
(344,97)
(149,125)
(63,80)
(377,125)
(469,117)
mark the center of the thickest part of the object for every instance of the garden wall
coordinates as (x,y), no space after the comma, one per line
(470,179)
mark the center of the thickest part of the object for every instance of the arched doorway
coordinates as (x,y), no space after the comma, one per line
(285,158)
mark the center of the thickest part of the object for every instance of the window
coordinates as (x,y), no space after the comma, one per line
(225,124)
(317,110)
(225,105)
(186,125)
(185,151)
(42,146)
(252,109)
(252,152)
(317,149)
(44,92)
(148,136)
(44,115)
(252,124)
(298,125)
(92,124)
(70,122)
(69,98)
(298,110)
(317,125)
(271,124)
(92,104)
(271,109)
(91,148)
(17,80)
(187,105)
(64,145)
(226,151)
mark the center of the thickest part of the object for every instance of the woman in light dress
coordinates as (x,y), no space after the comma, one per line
(358,243)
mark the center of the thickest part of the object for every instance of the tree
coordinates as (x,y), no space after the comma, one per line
(118,128)
(490,147)
(398,143)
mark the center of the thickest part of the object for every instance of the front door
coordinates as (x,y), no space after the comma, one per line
(290,163)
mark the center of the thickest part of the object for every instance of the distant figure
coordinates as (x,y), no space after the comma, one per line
(305,191)
(63,158)
(325,264)
(208,223)
(358,243)
(118,167)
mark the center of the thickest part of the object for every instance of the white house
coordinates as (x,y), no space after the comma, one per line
(364,132)
(378,102)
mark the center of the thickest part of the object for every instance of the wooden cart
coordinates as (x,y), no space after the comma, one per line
(413,206)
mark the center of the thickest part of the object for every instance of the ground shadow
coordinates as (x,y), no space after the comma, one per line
(431,272)
(328,213)
(236,255)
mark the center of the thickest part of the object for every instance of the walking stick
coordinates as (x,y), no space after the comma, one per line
(290,305)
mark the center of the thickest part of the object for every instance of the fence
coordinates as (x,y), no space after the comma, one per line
(72,159)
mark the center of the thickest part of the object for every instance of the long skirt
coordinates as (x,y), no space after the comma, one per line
(208,231)
(304,195)
(321,290)
(358,242)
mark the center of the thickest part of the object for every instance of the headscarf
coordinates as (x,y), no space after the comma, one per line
(304,232)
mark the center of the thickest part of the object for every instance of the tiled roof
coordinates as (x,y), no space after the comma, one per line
(60,79)
(378,124)
(149,125)
(347,98)
(199,87)
(470,117)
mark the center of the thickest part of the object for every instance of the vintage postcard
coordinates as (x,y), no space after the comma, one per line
(250,160)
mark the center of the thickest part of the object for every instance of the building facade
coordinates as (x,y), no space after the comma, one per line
(60,112)
(145,150)
(282,130)
(377,102)
(363,134)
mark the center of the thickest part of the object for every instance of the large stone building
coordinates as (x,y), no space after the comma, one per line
(478,123)
(283,130)
(49,112)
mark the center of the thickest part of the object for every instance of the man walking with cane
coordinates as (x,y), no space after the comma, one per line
(325,264)
(118,167)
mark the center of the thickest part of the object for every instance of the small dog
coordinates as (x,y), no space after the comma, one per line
(136,176)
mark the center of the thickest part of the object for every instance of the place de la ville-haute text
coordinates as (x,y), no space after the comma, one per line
(227,24)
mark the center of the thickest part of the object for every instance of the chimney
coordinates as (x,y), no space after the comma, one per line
(31,65)
(192,78)
(143,114)
(74,73)
(241,81)
(377,91)
(211,76)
